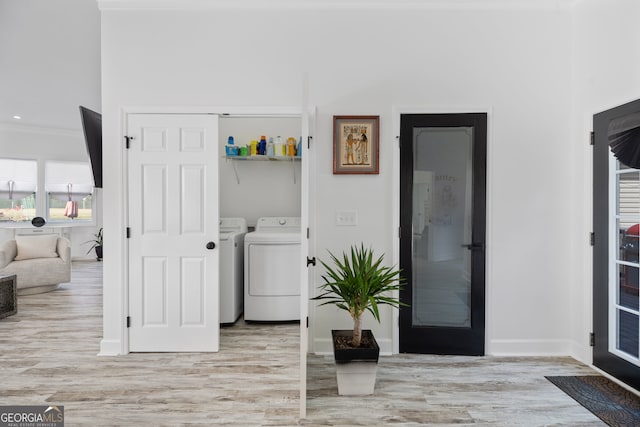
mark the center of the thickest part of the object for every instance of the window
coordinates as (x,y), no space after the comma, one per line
(69,191)
(18,184)
(626,219)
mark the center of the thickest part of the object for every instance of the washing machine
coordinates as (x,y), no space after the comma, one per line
(232,232)
(272,270)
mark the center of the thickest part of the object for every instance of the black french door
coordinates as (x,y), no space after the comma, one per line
(616,242)
(442,240)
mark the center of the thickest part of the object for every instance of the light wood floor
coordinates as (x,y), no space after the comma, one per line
(48,356)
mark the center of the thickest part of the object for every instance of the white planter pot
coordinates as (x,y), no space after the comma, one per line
(356,378)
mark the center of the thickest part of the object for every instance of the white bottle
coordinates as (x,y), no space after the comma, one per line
(270,151)
(279,146)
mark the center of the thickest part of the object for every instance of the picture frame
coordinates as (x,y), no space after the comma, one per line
(356,144)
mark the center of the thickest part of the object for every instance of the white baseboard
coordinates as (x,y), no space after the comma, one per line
(529,347)
(110,348)
(582,352)
(514,347)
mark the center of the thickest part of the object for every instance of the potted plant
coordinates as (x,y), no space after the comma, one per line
(96,244)
(357,283)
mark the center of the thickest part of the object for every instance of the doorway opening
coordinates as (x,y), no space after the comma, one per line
(264,186)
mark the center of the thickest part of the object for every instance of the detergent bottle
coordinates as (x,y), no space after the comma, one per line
(262,145)
(279,146)
(291,146)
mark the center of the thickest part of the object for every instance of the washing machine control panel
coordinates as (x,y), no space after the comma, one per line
(278,224)
(228,225)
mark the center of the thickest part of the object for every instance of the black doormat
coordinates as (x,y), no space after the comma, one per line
(608,401)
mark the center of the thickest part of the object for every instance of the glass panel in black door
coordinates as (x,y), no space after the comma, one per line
(442,233)
(441,227)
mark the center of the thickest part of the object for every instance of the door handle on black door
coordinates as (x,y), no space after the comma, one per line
(474,246)
(211,245)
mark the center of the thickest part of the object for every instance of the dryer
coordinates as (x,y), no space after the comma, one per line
(232,232)
(272,270)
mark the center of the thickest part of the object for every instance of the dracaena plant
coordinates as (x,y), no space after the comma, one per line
(97,240)
(357,283)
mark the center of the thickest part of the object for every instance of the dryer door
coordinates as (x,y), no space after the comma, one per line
(274,269)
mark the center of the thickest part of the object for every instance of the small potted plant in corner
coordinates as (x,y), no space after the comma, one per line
(96,244)
(357,283)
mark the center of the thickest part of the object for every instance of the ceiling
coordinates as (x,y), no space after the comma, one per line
(50,55)
(49,61)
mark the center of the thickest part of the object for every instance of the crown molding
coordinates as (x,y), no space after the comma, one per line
(106,5)
(14,127)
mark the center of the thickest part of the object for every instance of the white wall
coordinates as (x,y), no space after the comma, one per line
(605,73)
(42,144)
(514,63)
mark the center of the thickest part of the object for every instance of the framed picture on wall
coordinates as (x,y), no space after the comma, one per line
(356,144)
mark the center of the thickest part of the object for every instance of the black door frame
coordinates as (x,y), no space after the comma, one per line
(444,340)
(619,368)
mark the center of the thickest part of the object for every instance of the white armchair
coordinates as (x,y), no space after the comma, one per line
(40,263)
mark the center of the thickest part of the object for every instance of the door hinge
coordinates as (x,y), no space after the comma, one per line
(128,321)
(592,339)
(307,233)
(399,232)
(307,322)
(309,138)
(592,139)
(128,141)
(592,238)
(399,141)
(128,232)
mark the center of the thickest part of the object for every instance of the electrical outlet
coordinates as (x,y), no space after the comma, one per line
(347,218)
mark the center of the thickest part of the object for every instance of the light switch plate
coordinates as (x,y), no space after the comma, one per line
(347,218)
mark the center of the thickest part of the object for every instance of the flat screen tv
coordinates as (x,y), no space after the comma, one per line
(92,127)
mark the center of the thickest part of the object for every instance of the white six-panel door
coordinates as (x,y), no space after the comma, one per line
(173,217)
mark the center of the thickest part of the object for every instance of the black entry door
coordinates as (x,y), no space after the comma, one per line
(616,267)
(442,239)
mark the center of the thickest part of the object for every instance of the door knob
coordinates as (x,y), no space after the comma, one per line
(211,245)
